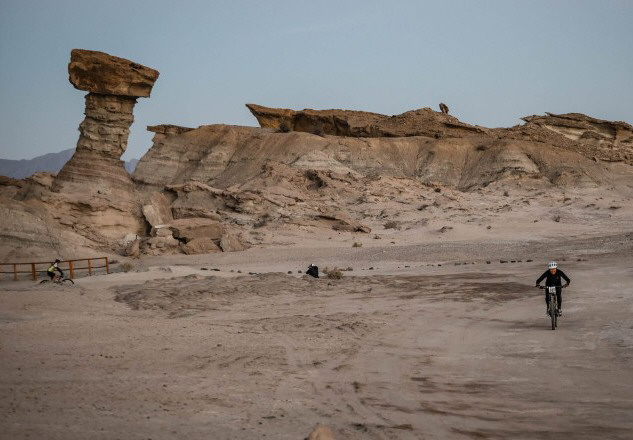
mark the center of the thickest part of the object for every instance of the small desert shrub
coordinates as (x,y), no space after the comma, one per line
(481,148)
(334,274)
(391,225)
(126,267)
(357,244)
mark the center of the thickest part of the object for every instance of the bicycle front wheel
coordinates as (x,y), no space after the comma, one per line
(552,311)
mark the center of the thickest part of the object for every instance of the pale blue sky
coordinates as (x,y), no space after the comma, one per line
(490,61)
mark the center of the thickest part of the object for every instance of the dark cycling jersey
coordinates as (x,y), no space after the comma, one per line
(553,280)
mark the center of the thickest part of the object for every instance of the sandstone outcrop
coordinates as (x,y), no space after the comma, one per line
(606,140)
(93,193)
(227,157)
(114,85)
(422,122)
(104,74)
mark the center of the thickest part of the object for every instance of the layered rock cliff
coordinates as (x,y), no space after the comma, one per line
(225,156)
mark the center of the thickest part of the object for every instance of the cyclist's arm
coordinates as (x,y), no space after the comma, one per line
(565,277)
(60,271)
(541,278)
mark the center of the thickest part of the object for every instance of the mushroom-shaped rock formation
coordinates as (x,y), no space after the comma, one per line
(94,189)
(114,85)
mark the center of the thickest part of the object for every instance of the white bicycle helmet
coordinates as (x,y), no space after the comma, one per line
(552,265)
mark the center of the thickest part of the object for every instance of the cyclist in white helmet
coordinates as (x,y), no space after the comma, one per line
(313,270)
(552,277)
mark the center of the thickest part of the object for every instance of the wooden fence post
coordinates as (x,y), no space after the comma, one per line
(15,272)
(89,267)
(107,266)
(33,272)
(71,269)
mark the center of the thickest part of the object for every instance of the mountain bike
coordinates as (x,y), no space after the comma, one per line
(59,280)
(552,306)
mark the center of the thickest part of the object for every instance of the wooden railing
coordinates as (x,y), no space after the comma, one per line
(69,266)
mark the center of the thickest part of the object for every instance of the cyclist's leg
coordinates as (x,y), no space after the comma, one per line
(559,297)
(51,275)
(547,299)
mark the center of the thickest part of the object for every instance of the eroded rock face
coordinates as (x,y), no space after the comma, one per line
(606,140)
(422,122)
(217,158)
(98,72)
(102,141)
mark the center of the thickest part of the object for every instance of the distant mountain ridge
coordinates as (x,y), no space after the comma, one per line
(51,162)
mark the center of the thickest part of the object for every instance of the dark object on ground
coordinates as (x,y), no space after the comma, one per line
(313,271)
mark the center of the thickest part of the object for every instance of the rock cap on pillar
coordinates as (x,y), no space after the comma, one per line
(98,72)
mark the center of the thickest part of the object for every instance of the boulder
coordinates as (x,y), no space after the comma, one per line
(133,248)
(231,243)
(157,211)
(188,229)
(321,432)
(200,246)
(98,72)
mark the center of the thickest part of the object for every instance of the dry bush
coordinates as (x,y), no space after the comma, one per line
(126,267)
(357,244)
(334,274)
(391,224)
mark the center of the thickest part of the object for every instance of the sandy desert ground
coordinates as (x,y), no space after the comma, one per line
(410,349)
